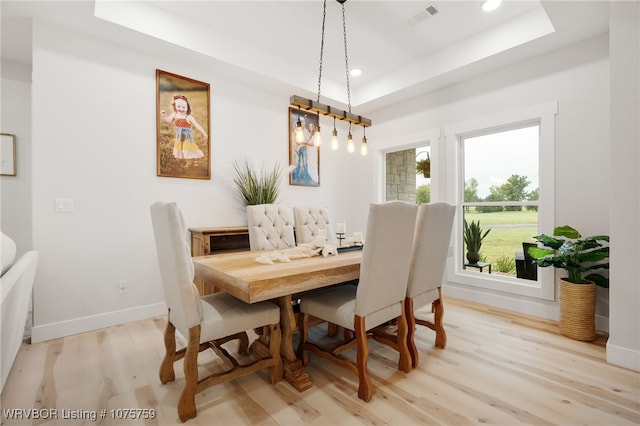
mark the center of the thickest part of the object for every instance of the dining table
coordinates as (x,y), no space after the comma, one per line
(243,276)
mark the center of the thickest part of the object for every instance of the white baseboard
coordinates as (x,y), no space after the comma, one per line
(623,357)
(538,308)
(50,331)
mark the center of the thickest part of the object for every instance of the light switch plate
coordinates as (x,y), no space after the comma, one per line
(64,204)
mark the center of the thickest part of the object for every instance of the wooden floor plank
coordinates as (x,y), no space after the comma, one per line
(498,368)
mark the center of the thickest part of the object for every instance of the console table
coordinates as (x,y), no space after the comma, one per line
(205,241)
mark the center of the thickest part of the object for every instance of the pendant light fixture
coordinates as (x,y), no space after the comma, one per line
(350,146)
(299,130)
(335,144)
(317,107)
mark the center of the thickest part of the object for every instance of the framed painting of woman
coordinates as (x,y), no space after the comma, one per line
(304,156)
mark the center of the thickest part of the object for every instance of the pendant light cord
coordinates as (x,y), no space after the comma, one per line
(324,18)
(346,57)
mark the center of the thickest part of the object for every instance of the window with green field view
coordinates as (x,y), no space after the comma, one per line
(501,194)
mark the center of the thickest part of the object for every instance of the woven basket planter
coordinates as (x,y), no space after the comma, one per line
(578,310)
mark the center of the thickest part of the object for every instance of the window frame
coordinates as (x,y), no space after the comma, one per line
(544,116)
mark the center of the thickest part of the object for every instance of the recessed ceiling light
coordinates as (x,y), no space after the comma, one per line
(489,5)
(356,72)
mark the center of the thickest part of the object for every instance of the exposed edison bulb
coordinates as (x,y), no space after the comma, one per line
(317,137)
(364,149)
(334,140)
(299,132)
(350,146)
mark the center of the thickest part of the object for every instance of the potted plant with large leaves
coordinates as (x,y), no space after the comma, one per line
(581,258)
(473,236)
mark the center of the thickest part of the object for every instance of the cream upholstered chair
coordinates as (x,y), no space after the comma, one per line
(207,322)
(270,227)
(378,297)
(308,220)
(428,260)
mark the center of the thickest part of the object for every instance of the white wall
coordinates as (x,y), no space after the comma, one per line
(16,190)
(623,347)
(94,142)
(576,77)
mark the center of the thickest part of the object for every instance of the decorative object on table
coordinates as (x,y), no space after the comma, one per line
(473,237)
(298,252)
(577,256)
(182,117)
(304,155)
(257,188)
(7,154)
(318,108)
(341,229)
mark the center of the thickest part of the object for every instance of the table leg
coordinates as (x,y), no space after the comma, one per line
(293,370)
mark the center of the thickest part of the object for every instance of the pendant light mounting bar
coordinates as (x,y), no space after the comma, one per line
(317,107)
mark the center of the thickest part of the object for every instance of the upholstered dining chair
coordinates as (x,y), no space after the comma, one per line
(270,227)
(309,220)
(378,297)
(206,322)
(428,261)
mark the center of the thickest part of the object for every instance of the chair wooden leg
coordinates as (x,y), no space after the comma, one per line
(166,367)
(332,329)
(362,355)
(187,403)
(411,331)
(404,362)
(441,335)
(243,344)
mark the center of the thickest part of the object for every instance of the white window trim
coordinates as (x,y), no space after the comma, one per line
(544,114)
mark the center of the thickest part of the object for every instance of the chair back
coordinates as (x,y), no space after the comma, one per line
(270,227)
(430,247)
(176,266)
(308,220)
(386,255)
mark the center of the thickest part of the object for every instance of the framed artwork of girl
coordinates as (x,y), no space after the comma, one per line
(182,127)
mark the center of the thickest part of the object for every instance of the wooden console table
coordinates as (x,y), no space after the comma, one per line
(206,241)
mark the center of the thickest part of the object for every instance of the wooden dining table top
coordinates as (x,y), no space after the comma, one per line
(239,274)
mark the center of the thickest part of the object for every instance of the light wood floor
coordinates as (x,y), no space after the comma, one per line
(498,368)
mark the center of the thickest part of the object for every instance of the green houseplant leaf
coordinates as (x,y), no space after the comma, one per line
(257,188)
(473,235)
(574,254)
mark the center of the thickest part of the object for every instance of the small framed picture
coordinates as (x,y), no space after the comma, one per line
(7,154)
(304,156)
(182,117)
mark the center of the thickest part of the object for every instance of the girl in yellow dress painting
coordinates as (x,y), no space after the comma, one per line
(184,147)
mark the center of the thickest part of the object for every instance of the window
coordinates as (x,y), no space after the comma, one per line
(502,186)
(501,194)
(408,175)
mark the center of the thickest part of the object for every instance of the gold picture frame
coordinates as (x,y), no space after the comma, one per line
(7,154)
(304,156)
(183,148)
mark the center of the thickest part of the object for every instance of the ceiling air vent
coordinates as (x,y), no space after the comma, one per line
(431,10)
(421,16)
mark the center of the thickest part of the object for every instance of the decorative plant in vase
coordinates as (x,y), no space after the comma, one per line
(577,256)
(257,188)
(473,236)
(424,166)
